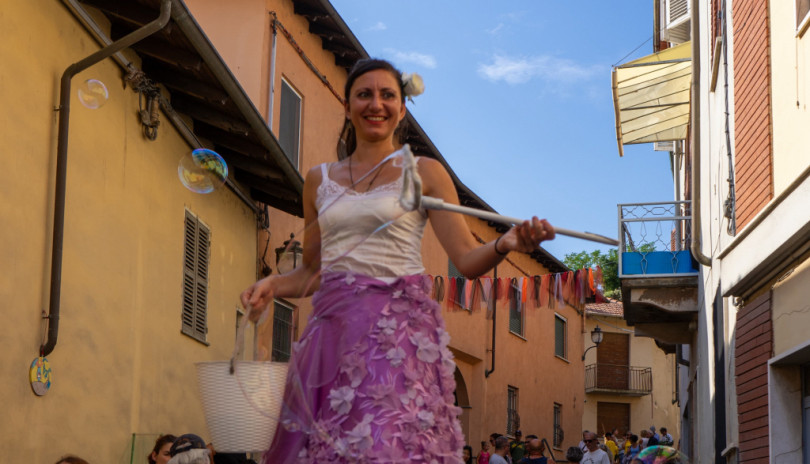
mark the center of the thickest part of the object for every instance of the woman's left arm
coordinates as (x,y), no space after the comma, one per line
(470,258)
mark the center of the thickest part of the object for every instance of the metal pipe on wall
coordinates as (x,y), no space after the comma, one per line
(61,161)
(695,246)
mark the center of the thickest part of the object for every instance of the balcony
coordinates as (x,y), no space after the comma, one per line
(618,380)
(659,278)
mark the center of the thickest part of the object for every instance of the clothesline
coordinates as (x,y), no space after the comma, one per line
(540,291)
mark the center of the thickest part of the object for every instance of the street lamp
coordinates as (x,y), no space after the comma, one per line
(596,338)
(289,255)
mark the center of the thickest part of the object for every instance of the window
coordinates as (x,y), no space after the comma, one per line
(282,332)
(197,246)
(802,9)
(512,417)
(560,337)
(289,125)
(516,313)
(558,432)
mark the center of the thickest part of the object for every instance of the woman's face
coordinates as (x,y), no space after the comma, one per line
(375,105)
(465,454)
(162,457)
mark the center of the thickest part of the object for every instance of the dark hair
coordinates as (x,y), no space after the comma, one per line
(469,448)
(70,459)
(160,443)
(574,454)
(347,142)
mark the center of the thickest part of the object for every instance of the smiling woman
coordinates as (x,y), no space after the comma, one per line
(372,379)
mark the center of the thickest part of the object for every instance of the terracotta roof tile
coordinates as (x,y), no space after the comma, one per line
(611,308)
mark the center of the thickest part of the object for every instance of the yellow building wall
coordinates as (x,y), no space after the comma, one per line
(529,363)
(790,74)
(121,365)
(655,409)
(790,310)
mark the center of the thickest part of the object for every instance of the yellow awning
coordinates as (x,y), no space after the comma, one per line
(651,97)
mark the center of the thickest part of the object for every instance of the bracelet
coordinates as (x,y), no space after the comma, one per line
(495,247)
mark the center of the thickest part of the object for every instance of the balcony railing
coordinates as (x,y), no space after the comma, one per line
(618,380)
(654,239)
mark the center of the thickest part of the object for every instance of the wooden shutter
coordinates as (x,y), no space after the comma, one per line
(289,127)
(560,333)
(196,253)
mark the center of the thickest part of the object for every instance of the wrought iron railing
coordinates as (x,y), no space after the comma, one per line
(654,239)
(622,380)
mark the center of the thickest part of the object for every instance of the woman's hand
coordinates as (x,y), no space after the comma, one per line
(258,296)
(526,237)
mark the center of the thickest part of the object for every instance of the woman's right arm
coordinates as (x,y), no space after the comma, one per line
(304,279)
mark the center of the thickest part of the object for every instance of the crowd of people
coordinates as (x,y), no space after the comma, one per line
(616,448)
(183,449)
(621,448)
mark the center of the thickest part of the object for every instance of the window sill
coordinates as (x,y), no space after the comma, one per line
(519,336)
(562,359)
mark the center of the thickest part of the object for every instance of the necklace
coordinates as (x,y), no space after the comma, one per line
(351,177)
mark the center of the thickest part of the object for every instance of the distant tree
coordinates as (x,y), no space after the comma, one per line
(609,262)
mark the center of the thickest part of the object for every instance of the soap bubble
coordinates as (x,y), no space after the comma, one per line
(202,171)
(93,94)
(661,455)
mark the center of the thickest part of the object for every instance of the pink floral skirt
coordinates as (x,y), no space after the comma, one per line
(371,379)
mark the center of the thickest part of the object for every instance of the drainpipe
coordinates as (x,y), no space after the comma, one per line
(694,247)
(271,91)
(61,161)
(494,318)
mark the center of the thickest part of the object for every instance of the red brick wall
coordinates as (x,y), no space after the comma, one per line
(753,348)
(752,103)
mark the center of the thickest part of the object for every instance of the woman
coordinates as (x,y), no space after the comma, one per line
(467,454)
(160,452)
(371,378)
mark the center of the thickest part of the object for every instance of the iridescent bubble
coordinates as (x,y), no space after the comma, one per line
(660,455)
(202,170)
(93,94)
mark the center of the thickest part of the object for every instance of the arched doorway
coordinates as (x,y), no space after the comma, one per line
(463,401)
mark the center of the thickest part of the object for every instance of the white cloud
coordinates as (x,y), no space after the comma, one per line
(419,59)
(545,68)
(380,26)
(495,29)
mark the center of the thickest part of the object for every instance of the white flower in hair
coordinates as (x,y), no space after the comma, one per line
(412,85)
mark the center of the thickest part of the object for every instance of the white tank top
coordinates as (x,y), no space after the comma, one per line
(353,238)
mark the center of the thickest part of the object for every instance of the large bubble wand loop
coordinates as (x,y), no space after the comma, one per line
(412,198)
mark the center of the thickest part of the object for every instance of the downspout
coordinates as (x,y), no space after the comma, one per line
(694,246)
(61,161)
(494,318)
(188,135)
(271,91)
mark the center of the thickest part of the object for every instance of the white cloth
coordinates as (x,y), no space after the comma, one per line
(352,239)
(595,457)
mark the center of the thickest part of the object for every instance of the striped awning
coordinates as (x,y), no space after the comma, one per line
(651,97)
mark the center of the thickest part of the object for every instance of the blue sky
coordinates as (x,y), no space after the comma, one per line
(518,100)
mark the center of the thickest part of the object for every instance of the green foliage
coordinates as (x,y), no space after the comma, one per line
(609,262)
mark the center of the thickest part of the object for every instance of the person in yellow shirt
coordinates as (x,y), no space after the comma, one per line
(611,445)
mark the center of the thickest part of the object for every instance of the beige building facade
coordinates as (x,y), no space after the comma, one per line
(630,383)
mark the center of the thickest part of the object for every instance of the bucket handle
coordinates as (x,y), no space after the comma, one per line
(240,336)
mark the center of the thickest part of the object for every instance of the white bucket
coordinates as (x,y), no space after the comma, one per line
(242,409)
